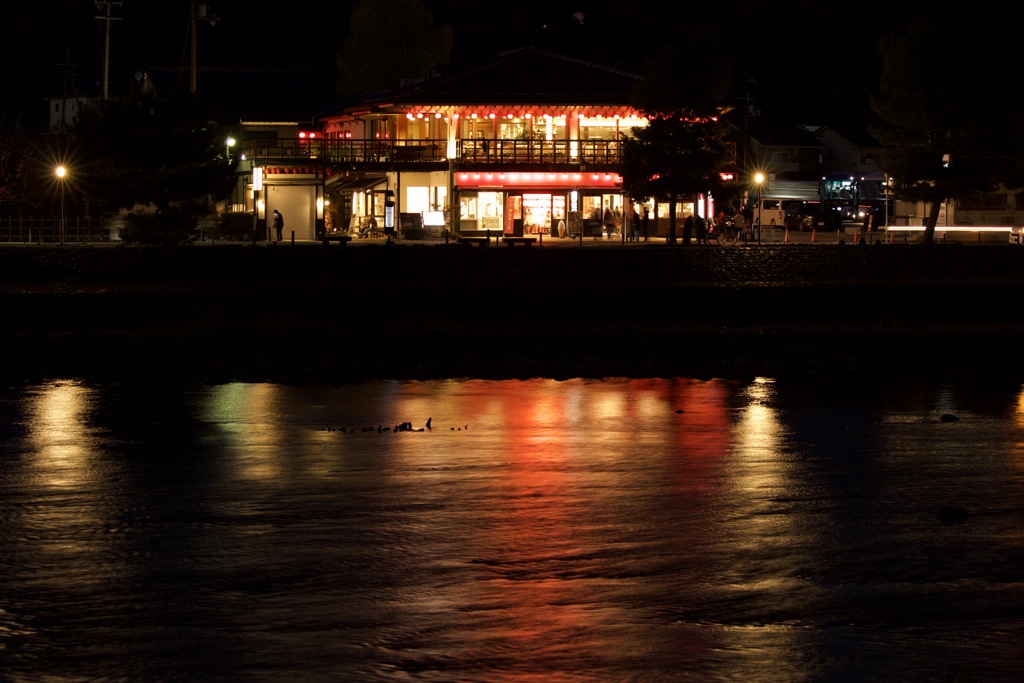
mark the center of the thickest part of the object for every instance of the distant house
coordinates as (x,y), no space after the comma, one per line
(789,156)
(64,110)
(846,153)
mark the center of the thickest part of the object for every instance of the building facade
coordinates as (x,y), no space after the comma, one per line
(530,143)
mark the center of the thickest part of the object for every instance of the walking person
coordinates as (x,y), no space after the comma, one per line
(645,222)
(739,226)
(278,224)
(634,225)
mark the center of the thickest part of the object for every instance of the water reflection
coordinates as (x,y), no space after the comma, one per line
(57,434)
(537,530)
(67,512)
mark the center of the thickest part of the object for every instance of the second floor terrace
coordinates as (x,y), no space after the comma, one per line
(436,154)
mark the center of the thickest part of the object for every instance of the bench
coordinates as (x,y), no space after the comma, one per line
(475,241)
(340,239)
(513,241)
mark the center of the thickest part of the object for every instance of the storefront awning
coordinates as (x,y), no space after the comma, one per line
(354,184)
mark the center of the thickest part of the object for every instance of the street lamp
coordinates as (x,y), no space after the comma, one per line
(228,144)
(61,172)
(759,178)
(888,186)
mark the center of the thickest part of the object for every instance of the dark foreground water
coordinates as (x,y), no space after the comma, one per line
(633,530)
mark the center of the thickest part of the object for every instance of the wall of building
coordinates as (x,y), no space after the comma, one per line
(297,203)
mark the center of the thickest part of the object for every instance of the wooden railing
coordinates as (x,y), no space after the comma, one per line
(470,151)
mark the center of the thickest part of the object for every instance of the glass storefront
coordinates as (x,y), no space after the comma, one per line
(481,211)
(556,214)
(537,214)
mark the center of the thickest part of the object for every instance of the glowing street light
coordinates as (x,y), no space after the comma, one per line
(759,178)
(228,144)
(61,173)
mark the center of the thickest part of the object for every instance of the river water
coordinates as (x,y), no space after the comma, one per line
(614,530)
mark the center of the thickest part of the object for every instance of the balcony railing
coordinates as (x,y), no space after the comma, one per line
(468,152)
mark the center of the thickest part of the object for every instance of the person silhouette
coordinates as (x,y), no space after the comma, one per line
(278,224)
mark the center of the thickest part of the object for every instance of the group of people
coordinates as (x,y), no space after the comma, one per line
(636,225)
(697,227)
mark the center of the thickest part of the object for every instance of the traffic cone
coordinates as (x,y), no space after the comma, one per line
(814,235)
(787,235)
(856,236)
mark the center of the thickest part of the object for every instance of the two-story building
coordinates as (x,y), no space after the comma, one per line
(529,143)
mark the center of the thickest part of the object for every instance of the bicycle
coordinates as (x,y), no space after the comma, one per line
(723,233)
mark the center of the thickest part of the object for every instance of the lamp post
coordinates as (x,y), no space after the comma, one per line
(888,184)
(61,173)
(228,144)
(759,178)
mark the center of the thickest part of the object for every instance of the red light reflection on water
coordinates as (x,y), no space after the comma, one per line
(572,520)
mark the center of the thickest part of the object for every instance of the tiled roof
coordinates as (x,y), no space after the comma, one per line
(527,76)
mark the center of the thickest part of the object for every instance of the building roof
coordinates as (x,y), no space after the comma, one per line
(523,77)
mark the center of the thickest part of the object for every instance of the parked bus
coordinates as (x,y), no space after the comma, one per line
(848,193)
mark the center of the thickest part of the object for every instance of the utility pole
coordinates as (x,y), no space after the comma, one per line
(193,11)
(106,4)
(196,11)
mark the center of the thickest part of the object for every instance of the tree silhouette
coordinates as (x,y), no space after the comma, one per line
(947,127)
(152,151)
(682,151)
(390,40)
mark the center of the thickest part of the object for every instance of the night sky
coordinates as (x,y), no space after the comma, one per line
(806,57)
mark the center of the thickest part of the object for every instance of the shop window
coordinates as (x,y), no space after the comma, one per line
(440,198)
(514,130)
(591,207)
(558,207)
(467,207)
(490,210)
(537,213)
(417,199)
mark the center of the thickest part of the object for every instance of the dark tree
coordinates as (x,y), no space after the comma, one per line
(682,152)
(18,156)
(390,40)
(149,150)
(152,151)
(950,126)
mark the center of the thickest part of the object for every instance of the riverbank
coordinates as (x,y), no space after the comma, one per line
(314,314)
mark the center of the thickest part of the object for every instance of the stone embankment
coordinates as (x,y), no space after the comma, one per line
(310,313)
